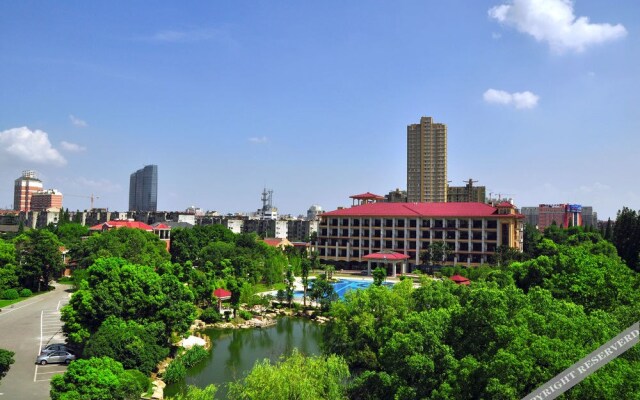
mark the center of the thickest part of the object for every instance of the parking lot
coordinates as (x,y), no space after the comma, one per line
(26,328)
(50,332)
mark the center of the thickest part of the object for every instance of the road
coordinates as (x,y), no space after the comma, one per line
(26,327)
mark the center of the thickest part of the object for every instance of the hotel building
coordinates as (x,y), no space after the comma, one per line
(472,231)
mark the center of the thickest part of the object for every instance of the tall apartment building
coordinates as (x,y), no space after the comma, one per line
(143,189)
(427,161)
(24,188)
(46,200)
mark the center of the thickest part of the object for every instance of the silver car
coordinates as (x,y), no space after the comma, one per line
(50,348)
(55,357)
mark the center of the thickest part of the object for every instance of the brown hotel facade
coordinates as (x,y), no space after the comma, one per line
(472,231)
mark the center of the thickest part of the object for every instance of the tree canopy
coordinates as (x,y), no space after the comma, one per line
(134,245)
(115,287)
(507,333)
(294,377)
(98,378)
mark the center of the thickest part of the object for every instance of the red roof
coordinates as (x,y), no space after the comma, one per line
(386,255)
(505,204)
(419,210)
(272,242)
(121,224)
(367,196)
(222,293)
(160,225)
(460,280)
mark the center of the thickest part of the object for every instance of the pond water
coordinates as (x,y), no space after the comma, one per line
(235,351)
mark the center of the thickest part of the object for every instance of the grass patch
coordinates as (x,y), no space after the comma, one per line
(66,280)
(4,303)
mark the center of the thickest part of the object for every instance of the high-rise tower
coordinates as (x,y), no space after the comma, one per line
(143,189)
(24,188)
(427,161)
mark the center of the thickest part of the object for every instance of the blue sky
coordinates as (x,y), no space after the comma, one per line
(312,99)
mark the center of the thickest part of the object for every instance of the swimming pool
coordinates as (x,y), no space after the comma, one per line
(343,286)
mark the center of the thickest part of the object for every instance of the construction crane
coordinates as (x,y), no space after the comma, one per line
(92,198)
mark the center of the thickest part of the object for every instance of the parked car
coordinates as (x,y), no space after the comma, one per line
(55,357)
(50,348)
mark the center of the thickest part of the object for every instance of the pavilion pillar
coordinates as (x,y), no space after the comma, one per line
(393,269)
(368,267)
(404,268)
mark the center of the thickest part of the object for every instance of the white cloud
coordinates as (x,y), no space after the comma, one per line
(553,21)
(258,140)
(78,122)
(182,36)
(27,145)
(72,147)
(519,100)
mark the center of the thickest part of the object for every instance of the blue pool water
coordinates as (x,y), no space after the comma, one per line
(343,286)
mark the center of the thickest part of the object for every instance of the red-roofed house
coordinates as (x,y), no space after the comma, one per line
(277,242)
(472,231)
(163,231)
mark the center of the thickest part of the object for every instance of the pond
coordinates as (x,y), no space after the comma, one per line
(235,351)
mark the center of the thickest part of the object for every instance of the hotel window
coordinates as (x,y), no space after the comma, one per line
(492,224)
(477,224)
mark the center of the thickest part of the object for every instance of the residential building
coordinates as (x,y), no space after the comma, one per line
(396,196)
(427,161)
(467,193)
(472,231)
(143,189)
(45,200)
(563,215)
(24,188)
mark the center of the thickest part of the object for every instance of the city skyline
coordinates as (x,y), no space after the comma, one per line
(313,100)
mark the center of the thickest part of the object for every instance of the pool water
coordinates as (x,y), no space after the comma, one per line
(343,286)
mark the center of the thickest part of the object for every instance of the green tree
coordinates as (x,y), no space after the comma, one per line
(295,377)
(322,292)
(626,237)
(290,285)
(39,259)
(439,252)
(305,267)
(130,292)
(136,346)
(134,245)
(379,275)
(195,393)
(6,359)
(98,378)
(71,234)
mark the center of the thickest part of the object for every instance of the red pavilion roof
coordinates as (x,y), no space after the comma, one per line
(367,196)
(460,280)
(386,255)
(222,293)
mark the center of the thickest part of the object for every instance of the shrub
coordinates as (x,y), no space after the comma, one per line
(193,356)
(26,293)
(137,379)
(210,315)
(10,294)
(175,372)
(246,315)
